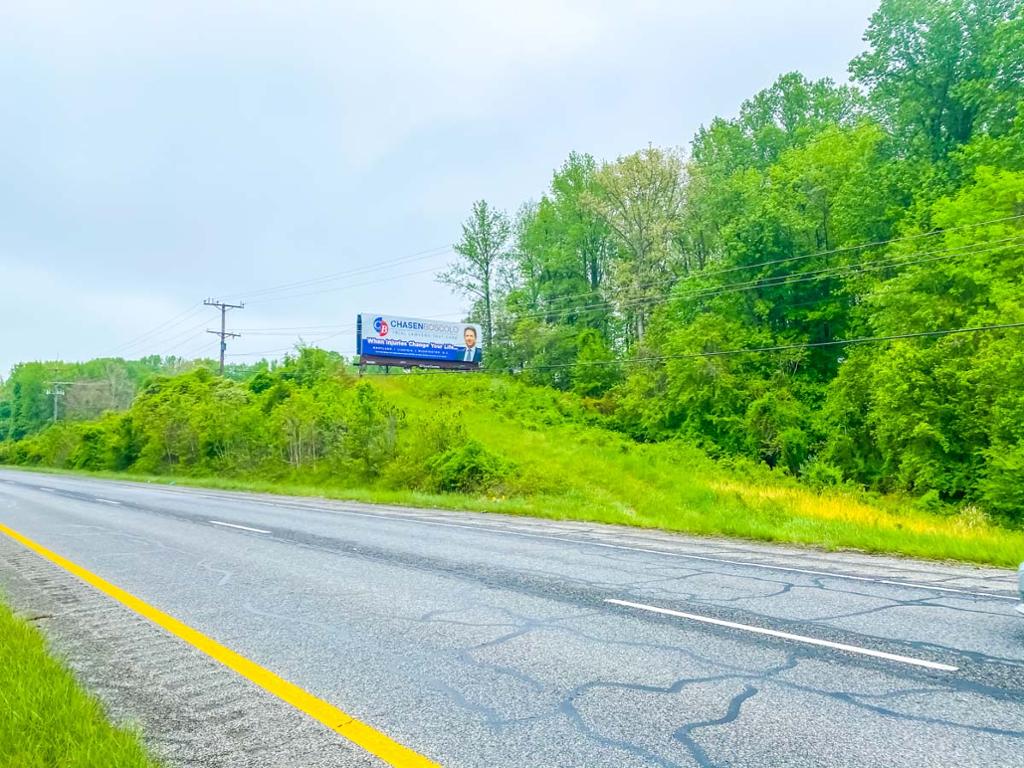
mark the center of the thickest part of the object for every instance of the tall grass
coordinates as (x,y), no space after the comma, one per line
(564,463)
(571,470)
(46,719)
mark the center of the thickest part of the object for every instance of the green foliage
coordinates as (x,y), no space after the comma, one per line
(640,198)
(596,370)
(932,64)
(48,720)
(104,384)
(497,444)
(483,256)
(372,426)
(941,416)
(819,474)
(306,419)
(820,214)
(1001,488)
(563,255)
(468,468)
(707,298)
(774,425)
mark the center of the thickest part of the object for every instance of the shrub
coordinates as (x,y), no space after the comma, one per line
(467,468)
(1002,487)
(372,425)
(929,501)
(94,448)
(820,474)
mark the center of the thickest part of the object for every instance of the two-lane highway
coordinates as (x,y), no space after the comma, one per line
(476,640)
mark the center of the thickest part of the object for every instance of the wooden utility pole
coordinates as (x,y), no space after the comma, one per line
(223,332)
(56,391)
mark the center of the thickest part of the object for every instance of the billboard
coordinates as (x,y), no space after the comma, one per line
(393,340)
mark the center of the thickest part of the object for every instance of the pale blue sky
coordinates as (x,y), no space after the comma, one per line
(153,154)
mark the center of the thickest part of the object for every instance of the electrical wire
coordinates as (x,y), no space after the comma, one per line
(746,350)
(789,347)
(874,244)
(779,281)
(776,281)
(427,254)
(153,333)
(186,338)
(178,319)
(342,288)
(771,262)
(708,293)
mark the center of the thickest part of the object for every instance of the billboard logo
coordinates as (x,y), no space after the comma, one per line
(380,325)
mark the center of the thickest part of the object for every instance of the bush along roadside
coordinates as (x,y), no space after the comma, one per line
(486,443)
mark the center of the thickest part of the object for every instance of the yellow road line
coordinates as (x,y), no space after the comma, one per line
(359,733)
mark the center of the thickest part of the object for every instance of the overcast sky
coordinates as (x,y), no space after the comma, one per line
(154,154)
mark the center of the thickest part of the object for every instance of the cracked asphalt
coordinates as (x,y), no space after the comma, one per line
(485,640)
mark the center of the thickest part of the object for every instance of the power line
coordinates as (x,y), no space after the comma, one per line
(771,262)
(700,294)
(183,316)
(788,347)
(268,329)
(183,338)
(863,246)
(202,351)
(855,269)
(777,281)
(166,324)
(176,320)
(446,249)
(737,287)
(223,332)
(350,285)
(755,350)
(440,250)
(430,253)
(312,342)
(760,350)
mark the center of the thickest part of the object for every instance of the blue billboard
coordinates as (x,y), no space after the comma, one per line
(409,341)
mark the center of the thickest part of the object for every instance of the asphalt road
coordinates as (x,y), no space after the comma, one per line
(490,641)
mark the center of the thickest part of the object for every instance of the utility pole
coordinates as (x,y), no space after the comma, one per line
(56,391)
(223,332)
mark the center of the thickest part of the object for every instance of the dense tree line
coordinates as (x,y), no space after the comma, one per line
(87,389)
(308,419)
(707,295)
(821,213)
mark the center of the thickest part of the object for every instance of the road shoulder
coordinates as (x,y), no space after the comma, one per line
(192,711)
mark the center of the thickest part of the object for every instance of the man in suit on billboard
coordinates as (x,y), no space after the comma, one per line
(472,351)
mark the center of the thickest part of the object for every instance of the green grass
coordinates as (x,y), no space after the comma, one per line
(46,719)
(574,471)
(568,469)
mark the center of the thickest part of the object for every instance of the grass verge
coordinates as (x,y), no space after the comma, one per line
(719,506)
(544,454)
(46,718)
